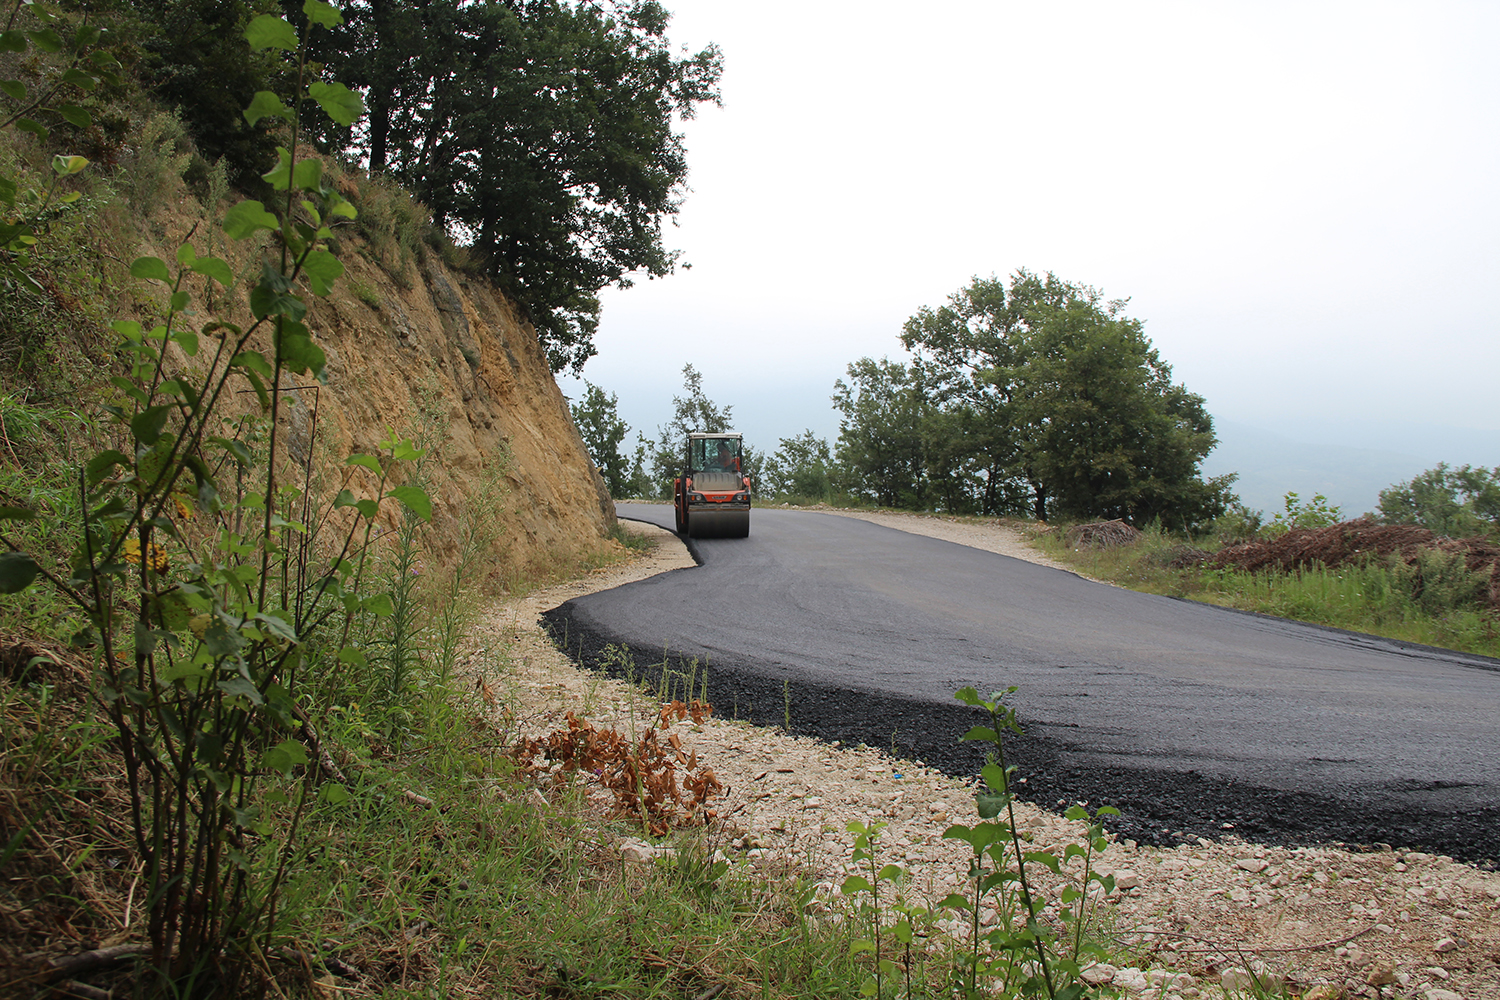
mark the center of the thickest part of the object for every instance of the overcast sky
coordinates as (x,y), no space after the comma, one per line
(1299,200)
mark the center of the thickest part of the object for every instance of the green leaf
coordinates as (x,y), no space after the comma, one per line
(237,450)
(284,756)
(148,424)
(308,176)
(415,499)
(381,605)
(856,883)
(14,89)
(12,41)
(322,14)
(277,626)
(36,128)
(222,641)
(66,166)
(101,464)
(17,570)
(76,116)
(989,805)
(272,296)
(353,656)
(337,101)
(17,514)
(366,462)
(984,733)
(322,269)
(271,32)
(994,777)
(298,352)
(246,219)
(266,105)
(47,40)
(82,79)
(891,872)
(333,794)
(280,176)
(214,268)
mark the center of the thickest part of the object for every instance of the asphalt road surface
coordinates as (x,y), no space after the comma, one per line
(1193,720)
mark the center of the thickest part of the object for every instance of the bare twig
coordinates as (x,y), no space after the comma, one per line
(83,963)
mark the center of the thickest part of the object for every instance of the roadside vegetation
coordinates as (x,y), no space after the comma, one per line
(246,746)
(1381,575)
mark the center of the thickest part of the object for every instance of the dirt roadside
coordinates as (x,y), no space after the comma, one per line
(1392,923)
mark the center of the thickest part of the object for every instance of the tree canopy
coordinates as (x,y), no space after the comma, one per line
(1038,396)
(543,134)
(540,130)
(1460,503)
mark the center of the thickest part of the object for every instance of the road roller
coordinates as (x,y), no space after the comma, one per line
(712,495)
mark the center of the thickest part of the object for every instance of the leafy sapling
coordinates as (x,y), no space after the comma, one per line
(1020,945)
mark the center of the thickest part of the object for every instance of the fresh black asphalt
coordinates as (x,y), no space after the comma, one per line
(1192,719)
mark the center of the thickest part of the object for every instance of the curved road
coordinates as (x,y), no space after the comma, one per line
(1192,719)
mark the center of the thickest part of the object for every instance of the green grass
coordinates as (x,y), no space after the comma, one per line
(1375,598)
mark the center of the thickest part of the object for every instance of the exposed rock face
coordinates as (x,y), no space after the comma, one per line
(449,359)
(441,358)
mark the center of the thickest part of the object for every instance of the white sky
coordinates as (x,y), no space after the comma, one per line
(1299,199)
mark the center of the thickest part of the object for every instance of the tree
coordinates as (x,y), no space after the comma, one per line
(599,424)
(692,412)
(880,443)
(1458,503)
(1061,391)
(539,131)
(801,467)
(194,56)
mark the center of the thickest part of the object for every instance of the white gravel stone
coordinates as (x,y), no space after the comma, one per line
(1099,974)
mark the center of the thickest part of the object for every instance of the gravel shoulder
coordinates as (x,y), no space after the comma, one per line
(1388,923)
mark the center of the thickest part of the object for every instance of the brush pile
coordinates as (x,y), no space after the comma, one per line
(1102,535)
(1359,541)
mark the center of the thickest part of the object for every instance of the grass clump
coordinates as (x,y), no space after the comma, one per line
(1397,581)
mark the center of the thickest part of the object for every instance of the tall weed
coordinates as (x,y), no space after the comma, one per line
(199,600)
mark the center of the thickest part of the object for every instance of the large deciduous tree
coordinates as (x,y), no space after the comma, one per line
(542,131)
(880,444)
(1038,396)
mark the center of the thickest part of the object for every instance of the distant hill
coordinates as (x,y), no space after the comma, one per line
(1271,463)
